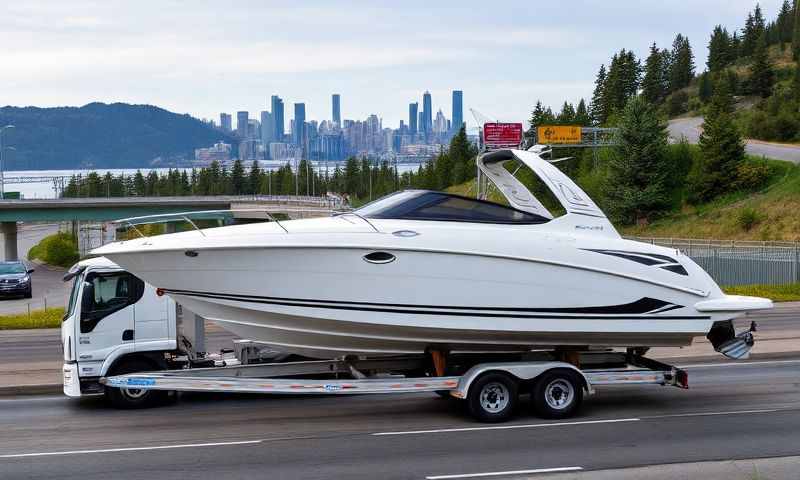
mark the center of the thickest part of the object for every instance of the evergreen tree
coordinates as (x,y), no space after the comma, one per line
(653,87)
(720,53)
(753,28)
(582,114)
(761,74)
(704,88)
(796,32)
(598,106)
(636,188)
(721,147)
(785,23)
(567,114)
(254,178)
(681,69)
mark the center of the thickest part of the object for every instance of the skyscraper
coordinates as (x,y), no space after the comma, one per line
(458,111)
(277,117)
(267,129)
(298,133)
(225,122)
(427,111)
(412,118)
(337,110)
(241,123)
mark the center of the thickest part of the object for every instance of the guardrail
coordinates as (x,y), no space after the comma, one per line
(737,262)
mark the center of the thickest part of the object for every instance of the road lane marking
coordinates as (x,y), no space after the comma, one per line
(708,414)
(506,427)
(739,364)
(510,472)
(131,449)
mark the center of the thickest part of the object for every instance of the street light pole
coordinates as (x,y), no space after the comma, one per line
(2,166)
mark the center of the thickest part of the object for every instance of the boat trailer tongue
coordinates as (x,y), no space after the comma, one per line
(727,342)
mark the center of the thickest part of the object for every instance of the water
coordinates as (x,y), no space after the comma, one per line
(46,189)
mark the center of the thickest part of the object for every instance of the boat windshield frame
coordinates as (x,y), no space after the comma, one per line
(411,205)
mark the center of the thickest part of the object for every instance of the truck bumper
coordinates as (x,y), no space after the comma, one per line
(72,382)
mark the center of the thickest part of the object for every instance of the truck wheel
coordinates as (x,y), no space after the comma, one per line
(557,393)
(493,397)
(130,398)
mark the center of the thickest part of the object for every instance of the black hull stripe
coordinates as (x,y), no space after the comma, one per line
(301,303)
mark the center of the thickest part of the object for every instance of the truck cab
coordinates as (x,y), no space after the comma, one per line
(114,323)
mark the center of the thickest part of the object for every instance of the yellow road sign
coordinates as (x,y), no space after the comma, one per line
(555,134)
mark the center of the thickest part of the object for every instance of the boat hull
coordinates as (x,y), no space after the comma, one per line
(324,302)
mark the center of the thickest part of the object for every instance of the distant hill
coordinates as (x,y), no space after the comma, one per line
(100,135)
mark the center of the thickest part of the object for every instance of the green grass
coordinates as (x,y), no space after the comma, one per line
(778,293)
(50,318)
(59,249)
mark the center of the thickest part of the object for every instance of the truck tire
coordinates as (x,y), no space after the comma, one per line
(557,393)
(131,398)
(493,397)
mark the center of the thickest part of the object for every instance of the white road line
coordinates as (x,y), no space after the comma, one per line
(131,449)
(507,427)
(510,472)
(708,414)
(739,364)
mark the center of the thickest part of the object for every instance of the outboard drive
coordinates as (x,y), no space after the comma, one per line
(727,342)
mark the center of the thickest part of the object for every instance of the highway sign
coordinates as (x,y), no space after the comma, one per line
(558,134)
(502,135)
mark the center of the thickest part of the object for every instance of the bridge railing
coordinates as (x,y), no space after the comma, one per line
(737,262)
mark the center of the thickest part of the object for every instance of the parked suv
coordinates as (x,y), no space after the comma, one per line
(15,279)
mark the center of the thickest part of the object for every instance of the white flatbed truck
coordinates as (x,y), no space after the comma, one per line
(123,338)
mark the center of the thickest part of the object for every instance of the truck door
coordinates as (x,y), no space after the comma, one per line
(152,321)
(107,317)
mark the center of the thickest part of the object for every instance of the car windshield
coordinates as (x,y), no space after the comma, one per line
(11,268)
(429,205)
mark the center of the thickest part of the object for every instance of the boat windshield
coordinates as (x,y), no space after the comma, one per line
(446,207)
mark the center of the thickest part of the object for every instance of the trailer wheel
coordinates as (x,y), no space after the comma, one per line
(557,393)
(131,398)
(493,397)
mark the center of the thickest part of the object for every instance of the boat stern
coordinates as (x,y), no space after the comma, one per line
(723,335)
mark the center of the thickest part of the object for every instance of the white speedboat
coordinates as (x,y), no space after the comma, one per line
(421,270)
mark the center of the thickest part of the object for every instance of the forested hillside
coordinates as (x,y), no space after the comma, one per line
(99,135)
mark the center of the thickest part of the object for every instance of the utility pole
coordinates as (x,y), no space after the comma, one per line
(2,165)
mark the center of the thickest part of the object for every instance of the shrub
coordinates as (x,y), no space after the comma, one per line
(751,175)
(58,249)
(747,218)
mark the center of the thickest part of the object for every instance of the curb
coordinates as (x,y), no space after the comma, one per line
(24,390)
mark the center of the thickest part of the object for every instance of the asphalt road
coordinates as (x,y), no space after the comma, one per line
(732,411)
(690,128)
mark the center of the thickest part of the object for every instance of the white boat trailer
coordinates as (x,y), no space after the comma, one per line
(491,389)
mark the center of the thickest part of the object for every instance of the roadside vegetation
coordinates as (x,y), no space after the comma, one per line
(60,249)
(50,318)
(777,293)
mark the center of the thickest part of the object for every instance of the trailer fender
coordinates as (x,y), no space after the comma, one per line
(524,371)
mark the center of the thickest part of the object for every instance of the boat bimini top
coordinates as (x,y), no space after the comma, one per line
(581,211)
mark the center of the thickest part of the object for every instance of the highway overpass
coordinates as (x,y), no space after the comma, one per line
(113,208)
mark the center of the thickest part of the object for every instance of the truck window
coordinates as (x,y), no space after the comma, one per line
(108,293)
(73,296)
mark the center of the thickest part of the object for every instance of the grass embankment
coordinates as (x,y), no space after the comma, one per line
(777,293)
(50,318)
(59,249)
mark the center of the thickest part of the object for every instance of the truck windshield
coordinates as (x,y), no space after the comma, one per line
(73,296)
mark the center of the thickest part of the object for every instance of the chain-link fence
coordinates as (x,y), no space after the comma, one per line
(731,262)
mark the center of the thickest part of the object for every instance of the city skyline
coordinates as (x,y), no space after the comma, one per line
(203,59)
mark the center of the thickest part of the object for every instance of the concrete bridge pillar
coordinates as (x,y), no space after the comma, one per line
(9,230)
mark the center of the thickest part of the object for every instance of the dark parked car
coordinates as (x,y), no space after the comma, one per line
(15,279)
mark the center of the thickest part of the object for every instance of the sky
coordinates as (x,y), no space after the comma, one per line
(206,57)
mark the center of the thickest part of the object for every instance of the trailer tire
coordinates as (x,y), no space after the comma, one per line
(131,398)
(493,397)
(557,393)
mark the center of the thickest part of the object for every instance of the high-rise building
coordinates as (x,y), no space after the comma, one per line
(225,122)
(337,109)
(440,124)
(298,131)
(267,129)
(427,111)
(458,111)
(242,120)
(412,118)
(277,118)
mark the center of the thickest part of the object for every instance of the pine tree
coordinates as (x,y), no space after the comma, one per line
(721,147)
(237,177)
(704,89)
(639,169)
(753,28)
(254,178)
(719,50)
(796,32)
(784,23)
(761,74)
(582,114)
(597,106)
(681,69)
(653,88)
(567,114)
